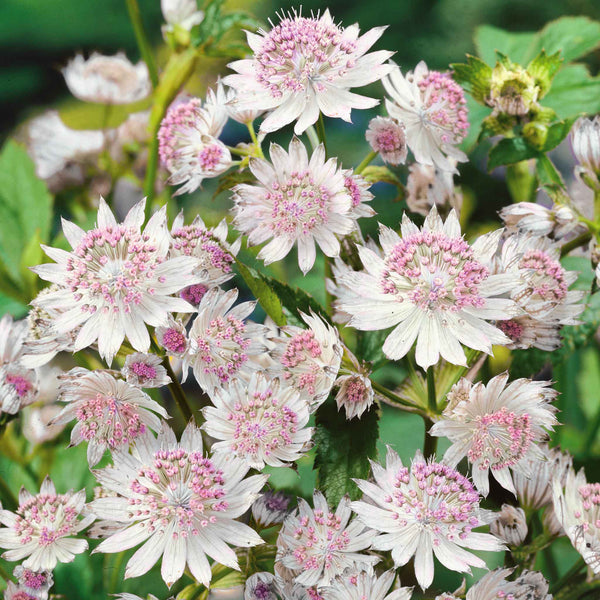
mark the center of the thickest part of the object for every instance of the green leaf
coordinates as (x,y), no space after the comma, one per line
(14,307)
(89,115)
(369,346)
(376,174)
(509,151)
(546,172)
(557,132)
(574,91)
(32,256)
(475,76)
(343,450)
(543,68)
(490,40)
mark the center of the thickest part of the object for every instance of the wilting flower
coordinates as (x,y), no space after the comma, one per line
(18,384)
(270,508)
(110,413)
(366,585)
(433,109)
(189,146)
(107,79)
(222,344)
(422,510)
(43,528)
(530,585)
(358,188)
(180,13)
(538,220)
(427,187)
(296,200)
(497,428)
(115,280)
(527,332)
(585,141)
(145,370)
(185,505)
(510,525)
(355,391)
(309,359)
(387,137)
(433,287)
(304,66)
(318,545)
(34,583)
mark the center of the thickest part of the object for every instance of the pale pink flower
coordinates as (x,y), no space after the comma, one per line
(585,142)
(309,359)
(530,585)
(319,545)
(116,280)
(261,586)
(145,371)
(295,201)
(358,188)
(189,147)
(425,509)
(387,137)
(16,592)
(259,422)
(107,79)
(185,505)
(529,217)
(304,66)
(526,332)
(510,525)
(44,527)
(427,187)
(270,508)
(110,413)
(366,585)
(433,109)
(182,14)
(355,391)
(498,427)
(433,287)
(173,338)
(223,345)
(34,583)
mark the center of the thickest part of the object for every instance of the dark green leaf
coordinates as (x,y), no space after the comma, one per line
(543,68)
(475,76)
(343,449)
(574,91)
(546,172)
(509,151)
(369,346)
(489,40)
(557,132)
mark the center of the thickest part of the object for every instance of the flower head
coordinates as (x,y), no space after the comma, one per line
(355,391)
(180,13)
(270,508)
(318,545)
(538,220)
(259,422)
(110,413)
(296,201)
(433,109)
(115,280)
(145,371)
(526,332)
(510,525)
(387,137)
(530,585)
(307,65)
(309,359)
(513,91)
(497,428)
(358,188)
(178,503)
(261,586)
(425,509)
(585,142)
(433,287)
(107,79)
(173,338)
(43,528)
(35,583)
(366,586)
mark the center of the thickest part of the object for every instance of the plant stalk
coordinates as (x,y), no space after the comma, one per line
(142,40)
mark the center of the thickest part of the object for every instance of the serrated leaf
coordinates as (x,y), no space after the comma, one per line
(489,40)
(574,91)
(509,151)
(238,20)
(343,450)
(543,68)
(475,76)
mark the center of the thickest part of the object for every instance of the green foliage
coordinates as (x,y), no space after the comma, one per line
(543,68)
(574,91)
(475,76)
(89,115)
(343,450)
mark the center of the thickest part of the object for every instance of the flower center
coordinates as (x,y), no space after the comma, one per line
(356,391)
(353,189)
(21,385)
(388,140)
(194,293)
(143,371)
(511,329)
(209,157)
(300,354)
(194,241)
(174,341)
(545,276)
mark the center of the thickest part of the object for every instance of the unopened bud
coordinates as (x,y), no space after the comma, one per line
(585,142)
(510,525)
(535,134)
(512,90)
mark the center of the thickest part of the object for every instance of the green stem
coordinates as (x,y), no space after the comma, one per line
(430,442)
(521,182)
(142,40)
(254,139)
(580,240)
(431,397)
(151,170)
(366,161)
(9,500)
(239,151)
(321,132)
(115,576)
(313,138)
(177,392)
(396,401)
(550,563)
(565,579)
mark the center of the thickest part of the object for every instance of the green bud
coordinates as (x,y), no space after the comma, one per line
(536,134)
(512,90)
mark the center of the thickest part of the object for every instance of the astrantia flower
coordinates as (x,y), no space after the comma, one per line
(538,220)
(35,583)
(296,200)
(16,592)
(145,370)
(173,338)
(188,144)
(526,332)
(309,359)
(261,586)
(180,13)
(366,586)
(225,98)
(585,142)
(259,422)
(358,188)
(18,384)
(497,428)
(179,504)
(355,391)
(215,257)
(110,413)
(304,66)
(222,343)
(422,510)
(387,137)
(107,79)
(427,187)
(270,508)
(433,109)
(318,545)
(116,280)
(530,585)
(433,287)
(510,525)
(43,528)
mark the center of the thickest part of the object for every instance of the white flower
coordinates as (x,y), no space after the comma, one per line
(186,505)
(510,525)
(145,371)
(530,585)
(585,141)
(527,332)
(366,585)
(497,428)
(318,545)
(538,220)
(115,280)
(355,391)
(34,583)
(43,528)
(110,413)
(309,359)
(295,201)
(358,188)
(422,510)
(427,187)
(107,79)
(433,287)
(270,508)
(225,99)
(304,66)
(261,586)
(180,13)
(259,422)
(433,109)
(387,137)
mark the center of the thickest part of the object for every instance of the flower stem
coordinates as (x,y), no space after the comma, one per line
(430,442)
(395,400)
(321,132)
(366,161)
(566,578)
(313,138)
(239,151)
(142,40)
(580,240)
(254,139)
(177,392)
